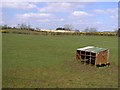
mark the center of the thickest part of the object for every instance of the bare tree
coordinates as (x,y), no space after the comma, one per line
(68,27)
(18,26)
(93,30)
(28,27)
(86,30)
(24,26)
(90,29)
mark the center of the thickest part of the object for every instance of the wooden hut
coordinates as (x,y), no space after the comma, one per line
(93,55)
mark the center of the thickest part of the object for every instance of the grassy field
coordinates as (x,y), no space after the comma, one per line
(49,62)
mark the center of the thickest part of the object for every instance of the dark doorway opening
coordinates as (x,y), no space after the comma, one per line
(87,59)
(93,60)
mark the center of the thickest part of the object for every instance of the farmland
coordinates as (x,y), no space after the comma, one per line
(46,61)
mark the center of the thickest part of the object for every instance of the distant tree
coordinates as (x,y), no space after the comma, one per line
(14,27)
(23,26)
(115,31)
(37,28)
(59,28)
(5,26)
(93,30)
(18,26)
(9,27)
(68,27)
(90,29)
(31,29)
(28,27)
(77,30)
(64,29)
(86,29)
(119,32)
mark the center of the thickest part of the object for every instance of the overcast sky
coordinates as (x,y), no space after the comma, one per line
(50,15)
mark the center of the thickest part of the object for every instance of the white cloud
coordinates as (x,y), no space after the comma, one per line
(34,15)
(14,0)
(38,17)
(19,5)
(43,20)
(56,7)
(61,0)
(98,22)
(112,13)
(55,19)
(80,13)
(61,19)
(106,11)
(99,11)
(114,17)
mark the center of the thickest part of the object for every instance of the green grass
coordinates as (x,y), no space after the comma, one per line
(49,61)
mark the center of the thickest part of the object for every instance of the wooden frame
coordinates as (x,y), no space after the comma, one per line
(93,55)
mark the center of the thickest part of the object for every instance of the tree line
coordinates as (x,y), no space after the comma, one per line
(22,26)
(67,27)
